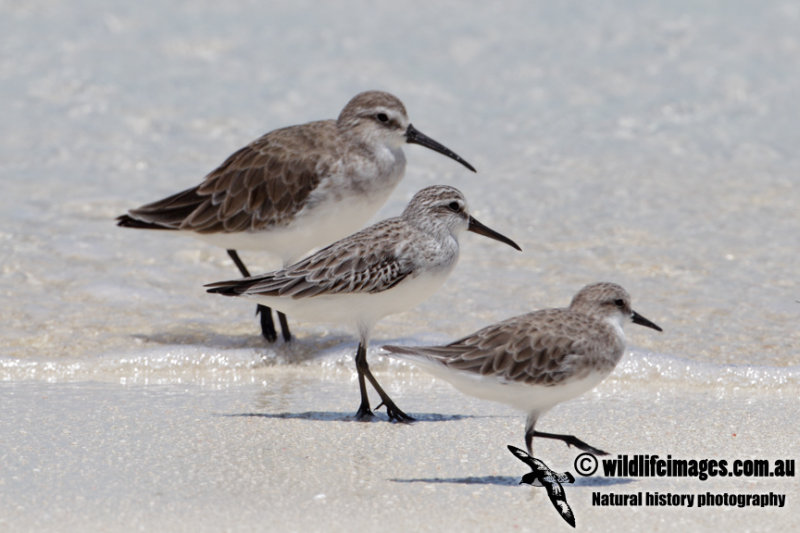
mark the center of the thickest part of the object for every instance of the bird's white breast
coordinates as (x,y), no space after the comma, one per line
(522,396)
(341,204)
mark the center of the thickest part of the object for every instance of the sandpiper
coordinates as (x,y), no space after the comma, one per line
(296,188)
(537,360)
(386,268)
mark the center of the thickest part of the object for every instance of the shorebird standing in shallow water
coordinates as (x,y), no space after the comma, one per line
(384,269)
(296,188)
(537,360)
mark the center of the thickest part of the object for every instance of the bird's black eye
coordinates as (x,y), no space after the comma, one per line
(619,302)
(383,117)
(453,206)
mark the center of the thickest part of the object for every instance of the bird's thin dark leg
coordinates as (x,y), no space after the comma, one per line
(364,412)
(569,440)
(264,312)
(287,335)
(267,324)
(530,423)
(392,410)
(239,264)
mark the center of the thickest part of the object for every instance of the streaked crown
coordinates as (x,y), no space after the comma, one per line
(441,205)
(609,301)
(375,115)
(602,299)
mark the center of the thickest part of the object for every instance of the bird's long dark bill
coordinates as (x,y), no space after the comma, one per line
(414,136)
(476,227)
(642,321)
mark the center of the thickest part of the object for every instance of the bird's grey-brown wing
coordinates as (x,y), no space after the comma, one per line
(535,348)
(366,262)
(260,186)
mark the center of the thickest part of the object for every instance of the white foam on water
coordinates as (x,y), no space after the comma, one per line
(651,367)
(203,365)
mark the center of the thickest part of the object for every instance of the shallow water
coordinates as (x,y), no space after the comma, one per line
(654,146)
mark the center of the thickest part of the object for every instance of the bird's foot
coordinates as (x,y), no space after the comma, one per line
(364,414)
(578,443)
(394,412)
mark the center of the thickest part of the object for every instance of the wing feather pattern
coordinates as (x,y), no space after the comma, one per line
(260,186)
(535,348)
(352,265)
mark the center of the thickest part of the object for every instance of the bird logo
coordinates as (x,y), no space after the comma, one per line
(542,475)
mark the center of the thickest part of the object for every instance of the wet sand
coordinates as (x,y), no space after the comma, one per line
(283,455)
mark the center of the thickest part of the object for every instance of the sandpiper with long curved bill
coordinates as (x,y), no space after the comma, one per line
(386,268)
(537,360)
(296,188)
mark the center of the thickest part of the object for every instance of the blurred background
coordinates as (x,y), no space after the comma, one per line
(654,145)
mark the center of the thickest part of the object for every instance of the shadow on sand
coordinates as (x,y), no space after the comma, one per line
(513,481)
(335,416)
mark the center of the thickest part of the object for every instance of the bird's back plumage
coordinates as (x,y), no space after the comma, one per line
(366,262)
(536,348)
(260,186)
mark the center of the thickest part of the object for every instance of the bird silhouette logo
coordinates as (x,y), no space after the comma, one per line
(542,475)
